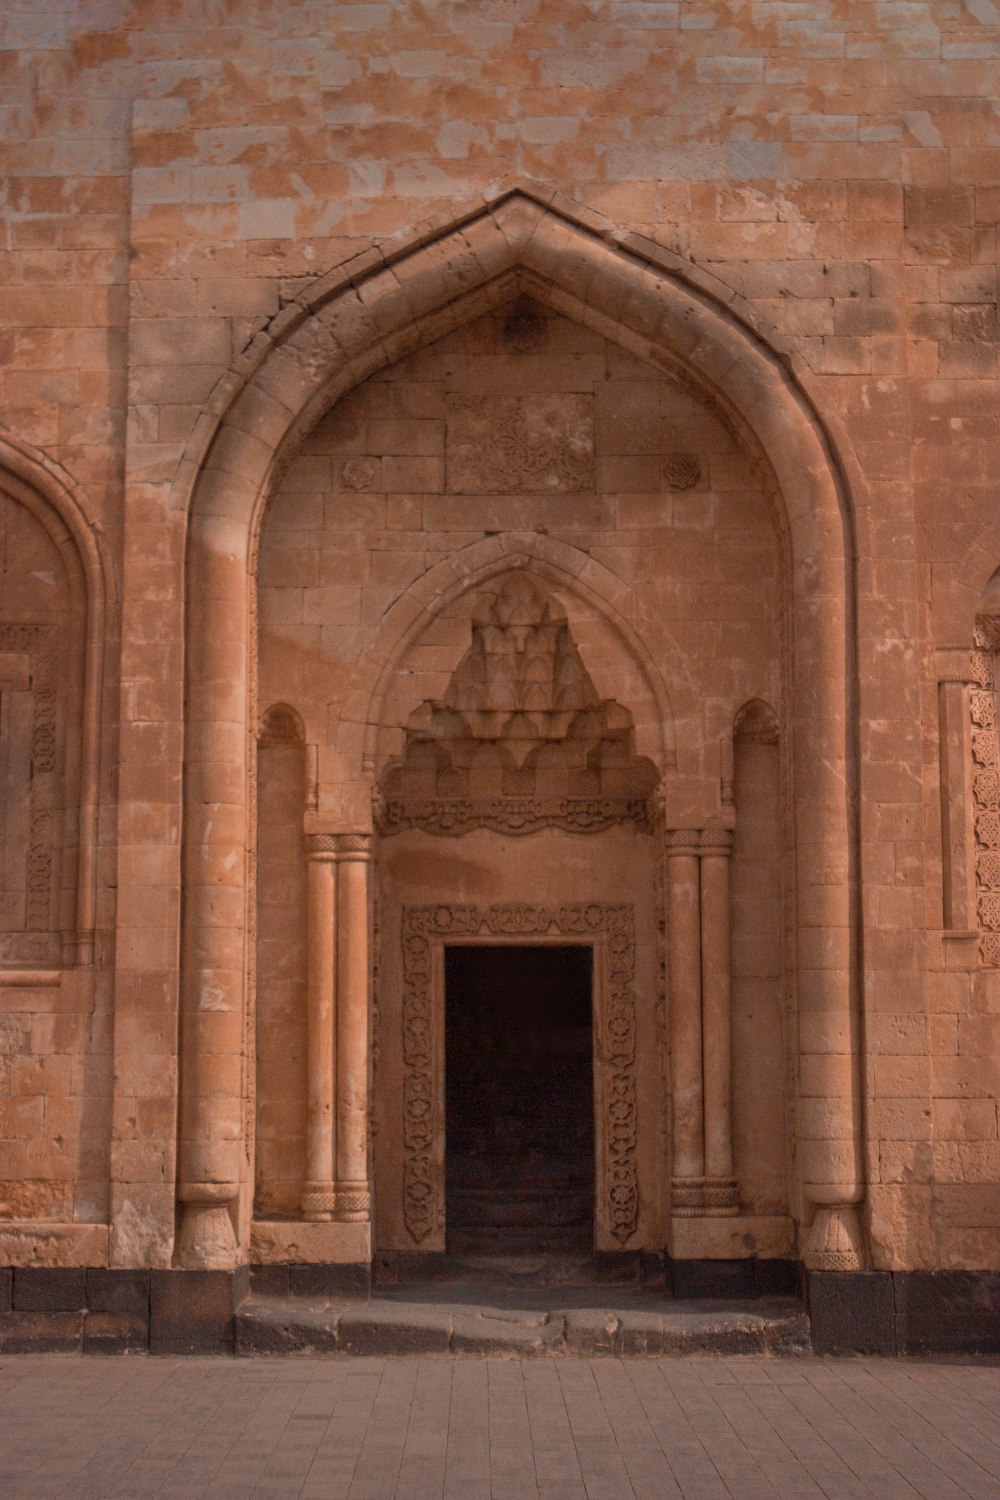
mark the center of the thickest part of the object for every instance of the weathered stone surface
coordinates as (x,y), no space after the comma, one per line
(119,1292)
(116,1333)
(41,1332)
(394,1329)
(851,1312)
(278,422)
(954,1312)
(47,1289)
(192,1312)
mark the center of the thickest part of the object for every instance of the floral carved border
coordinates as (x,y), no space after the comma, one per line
(986,789)
(514,815)
(425,926)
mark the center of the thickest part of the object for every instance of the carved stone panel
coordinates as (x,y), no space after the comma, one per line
(521,739)
(612,929)
(504,445)
(985,786)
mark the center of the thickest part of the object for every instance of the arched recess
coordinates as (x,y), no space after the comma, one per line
(357,320)
(363,713)
(28,478)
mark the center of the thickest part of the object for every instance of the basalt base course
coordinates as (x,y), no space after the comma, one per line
(311,1310)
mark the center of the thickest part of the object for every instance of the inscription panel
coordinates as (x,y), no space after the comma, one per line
(503,445)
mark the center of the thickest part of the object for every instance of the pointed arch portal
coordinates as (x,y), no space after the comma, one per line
(369,313)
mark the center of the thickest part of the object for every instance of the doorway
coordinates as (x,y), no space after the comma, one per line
(519,1099)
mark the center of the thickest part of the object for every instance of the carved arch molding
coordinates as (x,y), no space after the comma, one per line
(612,930)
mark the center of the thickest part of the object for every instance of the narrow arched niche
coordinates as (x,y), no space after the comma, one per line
(759,1021)
(281,963)
(43,626)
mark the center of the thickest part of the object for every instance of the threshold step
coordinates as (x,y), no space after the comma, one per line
(588,1323)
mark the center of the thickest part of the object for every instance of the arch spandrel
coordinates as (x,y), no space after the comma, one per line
(390,304)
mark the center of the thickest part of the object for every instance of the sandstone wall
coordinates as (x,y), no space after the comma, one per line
(178,173)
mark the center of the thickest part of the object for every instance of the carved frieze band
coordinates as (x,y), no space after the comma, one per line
(338,845)
(514,815)
(986,793)
(423,926)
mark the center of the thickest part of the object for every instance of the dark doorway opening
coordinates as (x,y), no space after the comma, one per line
(519,1099)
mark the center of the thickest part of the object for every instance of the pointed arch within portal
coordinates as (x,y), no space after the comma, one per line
(353,322)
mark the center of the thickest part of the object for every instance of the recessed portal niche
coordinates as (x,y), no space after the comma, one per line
(519,1099)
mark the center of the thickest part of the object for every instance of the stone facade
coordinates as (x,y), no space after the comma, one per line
(498,474)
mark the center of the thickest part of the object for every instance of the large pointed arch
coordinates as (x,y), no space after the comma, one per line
(370,312)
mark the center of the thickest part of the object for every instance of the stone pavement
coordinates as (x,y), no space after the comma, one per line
(342,1428)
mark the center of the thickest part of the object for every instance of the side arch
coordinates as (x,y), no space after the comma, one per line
(49,496)
(357,320)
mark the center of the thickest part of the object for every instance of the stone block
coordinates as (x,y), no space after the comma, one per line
(334,1281)
(54,1289)
(947,1312)
(192,1312)
(388,1329)
(120,1291)
(777,1278)
(851,1312)
(590,1331)
(711,1278)
(116,1333)
(269,1281)
(41,1332)
(6,1289)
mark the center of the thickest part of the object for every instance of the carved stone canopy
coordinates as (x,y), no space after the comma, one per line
(520,739)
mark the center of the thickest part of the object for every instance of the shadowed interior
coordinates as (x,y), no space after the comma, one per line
(519,1099)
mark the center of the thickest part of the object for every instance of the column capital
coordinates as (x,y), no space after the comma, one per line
(354,846)
(678,841)
(321,846)
(338,846)
(715,841)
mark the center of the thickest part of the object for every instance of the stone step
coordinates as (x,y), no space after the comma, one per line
(519,1239)
(583,1268)
(411,1322)
(525,1206)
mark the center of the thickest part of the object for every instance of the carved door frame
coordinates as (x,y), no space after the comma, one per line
(610,931)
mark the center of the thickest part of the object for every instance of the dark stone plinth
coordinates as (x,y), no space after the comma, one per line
(269,1281)
(6,1289)
(851,1312)
(947,1312)
(777,1278)
(52,1289)
(41,1332)
(351,1280)
(118,1291)
(701,1279)
(192,1312)
(116,1333)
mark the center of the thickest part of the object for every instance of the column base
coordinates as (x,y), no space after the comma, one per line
(318,1202)
(353,1203)
(206,1240)
(836,1240)
(697,1197)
